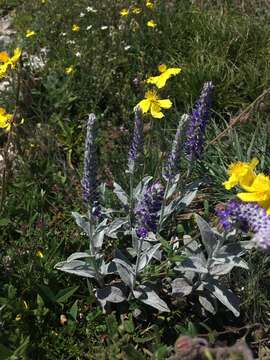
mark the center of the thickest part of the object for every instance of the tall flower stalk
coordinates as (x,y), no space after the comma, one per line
(198,119)
(136,148)
(90,193)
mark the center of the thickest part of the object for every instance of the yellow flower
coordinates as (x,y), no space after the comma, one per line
(14,59)
(258,191)
(154,104)
(7,61)
(25,305)
(5,119)
(160,80)
(30,33)
(69,70)
(151,23)
(75,27)
(124,12)
(149,4)
(241,174)
(136,10)
(39,254)
(18,317)
(3,70)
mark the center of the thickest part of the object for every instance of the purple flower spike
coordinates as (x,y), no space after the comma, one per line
(198,119)
(148,207)
(172,164)
(89,181)
(248,217)
(137,140)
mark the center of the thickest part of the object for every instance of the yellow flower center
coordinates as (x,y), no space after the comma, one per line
(151,95)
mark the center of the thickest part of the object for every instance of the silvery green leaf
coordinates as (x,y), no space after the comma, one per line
(135,240)
(102,191)
(78,255)
(99,234)
(146,245)
(192,263)
(209,238)
(223,265)
(208,304)
(115,226)
(193,248)
(120,193)
(224,295)
(173,186)
(237,249)
(107,269)
(151,237)
(150,297)
(181,287)
(139,188)
(113,294)
(146,256)
(82,222)
(76,267)
(125,271)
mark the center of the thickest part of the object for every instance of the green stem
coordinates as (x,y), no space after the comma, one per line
(163,205)
(92,250)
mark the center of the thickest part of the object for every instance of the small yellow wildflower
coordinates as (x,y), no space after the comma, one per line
(3,69)
(149,4)
(136,10)
(154,104)
(69,70)
(5,119)
(151,23)
(258,191)
(160,80)
(7,61)
(241,173)
(18,317)
(75,27)
(124,12)
(30,33)
(39,254)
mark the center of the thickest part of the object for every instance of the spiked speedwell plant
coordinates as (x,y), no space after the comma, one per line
(147,210)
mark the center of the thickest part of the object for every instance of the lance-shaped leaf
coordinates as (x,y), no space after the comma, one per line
(82,222)
(113,294)
(208,303)
(125,271)
(78,255)
(140,187)
(107,269)
(120,193)
(150,297)
(223,265)
(192,263)
(99,234)
(209,238)
(173,186)
(224,295)
(115,226)
(76,267)
(181,287)
(147,255)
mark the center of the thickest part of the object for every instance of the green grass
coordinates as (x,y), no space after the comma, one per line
(220,42)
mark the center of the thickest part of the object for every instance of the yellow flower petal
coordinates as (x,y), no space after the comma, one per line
(151,23)
(165,104)
(155,111)
(251,197)
(144,105)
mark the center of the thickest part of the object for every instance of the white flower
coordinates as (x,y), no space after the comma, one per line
(104,27)
(72,42)
(82,14)
(127,47)
(89,27)
(91,9)
(63,34)
(78,54)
